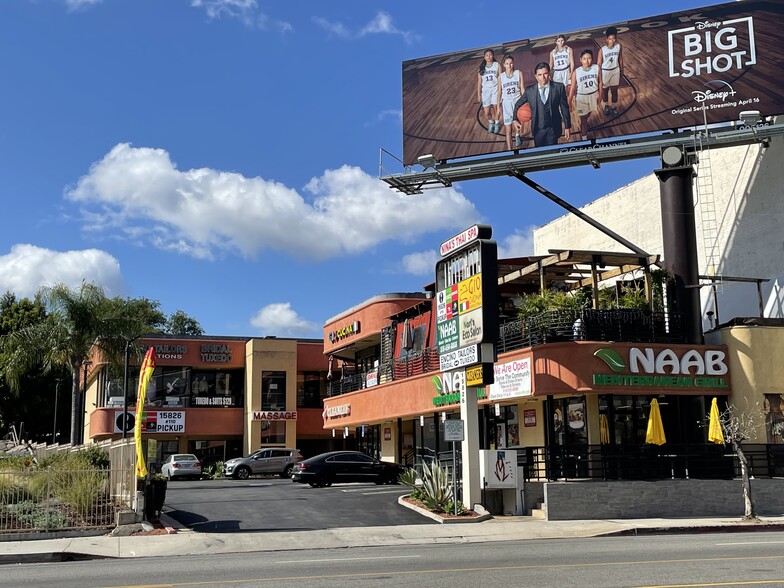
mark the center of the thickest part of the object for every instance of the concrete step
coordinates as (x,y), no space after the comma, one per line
(539,512)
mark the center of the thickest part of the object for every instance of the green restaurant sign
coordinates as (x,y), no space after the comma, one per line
(665,368)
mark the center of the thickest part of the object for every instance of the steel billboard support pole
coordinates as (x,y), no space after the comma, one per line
(679,241)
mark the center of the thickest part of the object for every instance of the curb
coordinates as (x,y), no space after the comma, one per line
(737,527)
(444,520)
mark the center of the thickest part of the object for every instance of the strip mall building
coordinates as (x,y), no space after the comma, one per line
(219,397)
(574,397)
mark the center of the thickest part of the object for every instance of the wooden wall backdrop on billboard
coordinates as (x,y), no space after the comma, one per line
(678,69)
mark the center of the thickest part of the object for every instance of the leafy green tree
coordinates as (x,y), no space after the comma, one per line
(75,321)
(145,311)
(180,323)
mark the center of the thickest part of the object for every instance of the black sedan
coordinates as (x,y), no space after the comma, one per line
(335,467)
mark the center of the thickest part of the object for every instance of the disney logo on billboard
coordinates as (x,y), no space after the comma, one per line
(723,91)
(711,47)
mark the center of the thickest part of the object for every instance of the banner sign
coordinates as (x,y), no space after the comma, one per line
(153,421)
(678,70)
(512,380)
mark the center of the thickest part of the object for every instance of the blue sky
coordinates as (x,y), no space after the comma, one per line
(222,156)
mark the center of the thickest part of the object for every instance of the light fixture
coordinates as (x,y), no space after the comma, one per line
(672,156)
(427,161)
(443,416)
(421,420)
(750,118)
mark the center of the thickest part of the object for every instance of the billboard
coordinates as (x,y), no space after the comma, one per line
(705,65)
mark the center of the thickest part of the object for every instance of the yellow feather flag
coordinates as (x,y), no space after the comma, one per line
(148,367)
(715,433)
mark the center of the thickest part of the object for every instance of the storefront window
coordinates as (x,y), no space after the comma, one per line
(773,408)
(273,391)
(215,389)
(273,431)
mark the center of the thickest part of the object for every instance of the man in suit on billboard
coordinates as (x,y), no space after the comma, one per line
(550,116)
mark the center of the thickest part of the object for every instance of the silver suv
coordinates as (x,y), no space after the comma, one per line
(272,460)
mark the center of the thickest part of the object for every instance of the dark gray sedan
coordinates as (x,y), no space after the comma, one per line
(335,467)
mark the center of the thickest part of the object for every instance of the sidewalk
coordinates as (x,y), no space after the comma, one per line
(186,542)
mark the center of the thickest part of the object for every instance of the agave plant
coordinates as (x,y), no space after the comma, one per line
(435,486)
(408,478)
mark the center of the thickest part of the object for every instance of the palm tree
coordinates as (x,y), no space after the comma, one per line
(76,321)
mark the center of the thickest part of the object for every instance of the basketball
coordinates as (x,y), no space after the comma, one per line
(524,113)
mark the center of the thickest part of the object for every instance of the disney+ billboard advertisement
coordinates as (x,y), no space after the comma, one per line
(685,69)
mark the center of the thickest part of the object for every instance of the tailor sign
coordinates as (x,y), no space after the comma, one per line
(467,301)
(676,70)
(698,368)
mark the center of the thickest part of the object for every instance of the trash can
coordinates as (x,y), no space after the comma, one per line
(154,496)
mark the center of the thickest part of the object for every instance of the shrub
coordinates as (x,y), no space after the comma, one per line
(79,489)
(213,471)
(408,478)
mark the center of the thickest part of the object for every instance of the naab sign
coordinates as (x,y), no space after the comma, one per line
(678,70)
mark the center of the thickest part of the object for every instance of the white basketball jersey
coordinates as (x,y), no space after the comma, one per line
(510,86)
(610,57)
(490,77)
(560,59)
(587,80)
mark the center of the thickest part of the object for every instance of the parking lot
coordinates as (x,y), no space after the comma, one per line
(274,504)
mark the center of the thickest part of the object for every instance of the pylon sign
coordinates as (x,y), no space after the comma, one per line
(467,301)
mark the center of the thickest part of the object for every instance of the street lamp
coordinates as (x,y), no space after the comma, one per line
(83,405)
(125,387)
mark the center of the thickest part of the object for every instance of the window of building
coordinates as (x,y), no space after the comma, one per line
(273,432)
(273,391)
(311,389)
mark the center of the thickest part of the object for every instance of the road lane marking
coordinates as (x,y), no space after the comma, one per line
(754,543)
(452,571)
(350,559)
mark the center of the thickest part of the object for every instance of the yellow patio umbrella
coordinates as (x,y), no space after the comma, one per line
(655,434)
(715,434)
(604,430)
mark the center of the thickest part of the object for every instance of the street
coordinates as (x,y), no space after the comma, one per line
(726,559)
(273,504)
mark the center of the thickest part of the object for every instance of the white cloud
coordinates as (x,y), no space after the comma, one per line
(420,263)
(27,268)
(79,4)
(519,244)
(379,24)
(382,23)
(280,320)
(336,28)
(139,193)
(395,114)
(246,11)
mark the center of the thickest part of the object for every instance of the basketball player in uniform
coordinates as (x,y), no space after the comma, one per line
(611,63)
(562,61)
(510,89)
(584,90)
(487,90)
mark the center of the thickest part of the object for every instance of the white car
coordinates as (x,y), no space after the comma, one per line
(181,465)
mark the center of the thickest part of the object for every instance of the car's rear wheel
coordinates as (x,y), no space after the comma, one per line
(168,476)
(287,471)
(242,473)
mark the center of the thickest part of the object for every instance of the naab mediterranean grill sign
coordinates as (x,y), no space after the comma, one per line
(681,368)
